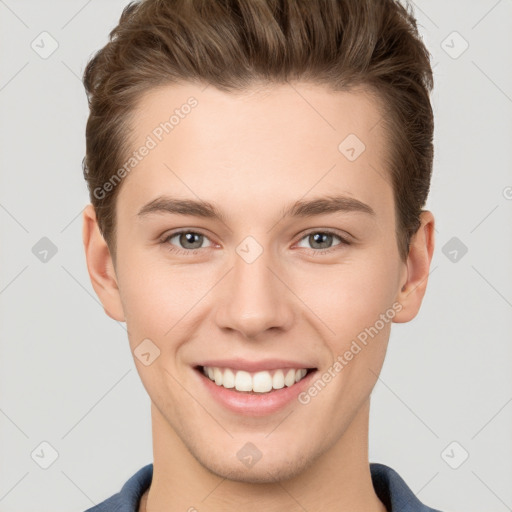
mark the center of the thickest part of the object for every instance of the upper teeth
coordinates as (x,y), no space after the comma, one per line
(259,382)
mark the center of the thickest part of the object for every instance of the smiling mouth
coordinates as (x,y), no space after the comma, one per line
(260,382)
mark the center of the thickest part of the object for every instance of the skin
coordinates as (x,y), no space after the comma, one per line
(251,155)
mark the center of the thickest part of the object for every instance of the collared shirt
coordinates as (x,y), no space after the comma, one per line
(388,484)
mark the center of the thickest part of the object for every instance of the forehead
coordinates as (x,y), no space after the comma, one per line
(275,143)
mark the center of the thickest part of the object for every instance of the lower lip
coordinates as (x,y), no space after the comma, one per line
(255,404)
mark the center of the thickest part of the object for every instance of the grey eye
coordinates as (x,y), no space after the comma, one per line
(188,240)
(320,239)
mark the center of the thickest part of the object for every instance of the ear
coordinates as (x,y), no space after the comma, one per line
(418,266)
(100,266)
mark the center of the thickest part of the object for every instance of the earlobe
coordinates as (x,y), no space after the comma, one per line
(421,250)
(100,266)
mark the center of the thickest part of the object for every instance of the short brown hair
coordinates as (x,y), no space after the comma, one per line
(235,44)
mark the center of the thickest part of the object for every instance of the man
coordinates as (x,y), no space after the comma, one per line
(289,142)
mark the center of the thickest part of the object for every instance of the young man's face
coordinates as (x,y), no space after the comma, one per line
(256,289)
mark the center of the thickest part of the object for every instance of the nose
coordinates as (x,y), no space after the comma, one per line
(255,298)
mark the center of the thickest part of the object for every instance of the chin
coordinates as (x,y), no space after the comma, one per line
(267,470)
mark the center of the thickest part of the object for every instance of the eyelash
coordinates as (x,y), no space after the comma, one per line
(191,252)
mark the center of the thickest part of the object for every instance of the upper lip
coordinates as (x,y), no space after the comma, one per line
(254,366)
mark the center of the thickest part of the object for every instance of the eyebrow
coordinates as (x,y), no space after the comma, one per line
(301,208)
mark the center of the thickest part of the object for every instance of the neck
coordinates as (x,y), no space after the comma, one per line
(338,480)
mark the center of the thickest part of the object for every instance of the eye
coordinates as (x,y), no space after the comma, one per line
(322,241)
(187,241)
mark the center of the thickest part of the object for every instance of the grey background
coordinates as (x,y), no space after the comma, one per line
(67,377)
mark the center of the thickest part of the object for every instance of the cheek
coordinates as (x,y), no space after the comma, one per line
(350,296)
(156,297)
(146,291)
